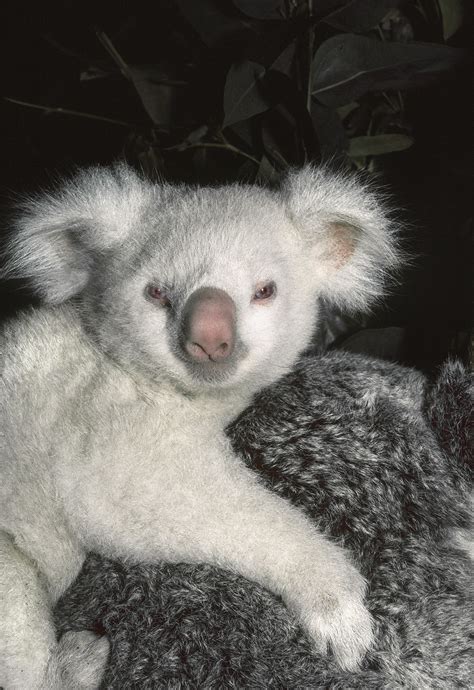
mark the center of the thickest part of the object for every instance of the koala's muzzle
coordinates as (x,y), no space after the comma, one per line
(208,325)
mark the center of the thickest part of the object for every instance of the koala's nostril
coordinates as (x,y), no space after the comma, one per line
(196,351)
(207,349)
(222,351)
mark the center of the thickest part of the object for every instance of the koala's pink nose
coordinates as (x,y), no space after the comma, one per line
(209,325)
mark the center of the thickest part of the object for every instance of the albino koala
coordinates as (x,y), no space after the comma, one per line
(167,308)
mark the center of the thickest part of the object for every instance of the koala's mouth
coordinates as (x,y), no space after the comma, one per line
(211,372)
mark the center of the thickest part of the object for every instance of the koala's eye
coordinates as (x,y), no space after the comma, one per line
(158,294)
(264,292)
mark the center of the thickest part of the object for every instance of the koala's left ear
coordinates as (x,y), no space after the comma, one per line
(350,239)
(58,236)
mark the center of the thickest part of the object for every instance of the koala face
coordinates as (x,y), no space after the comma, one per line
(211,287)
(214,292)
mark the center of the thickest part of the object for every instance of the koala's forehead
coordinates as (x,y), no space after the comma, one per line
(196,230)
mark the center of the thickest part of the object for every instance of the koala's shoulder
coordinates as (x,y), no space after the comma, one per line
(39,343)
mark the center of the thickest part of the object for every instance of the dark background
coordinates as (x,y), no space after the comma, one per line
(168,77)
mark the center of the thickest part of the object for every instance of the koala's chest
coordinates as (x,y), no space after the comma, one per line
(129,448)
(136,465)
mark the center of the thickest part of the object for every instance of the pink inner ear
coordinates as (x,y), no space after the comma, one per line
(341,245)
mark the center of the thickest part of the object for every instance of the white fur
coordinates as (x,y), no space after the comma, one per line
(109,441)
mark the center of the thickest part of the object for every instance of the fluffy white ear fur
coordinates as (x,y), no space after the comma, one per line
(351,239)
(56,235)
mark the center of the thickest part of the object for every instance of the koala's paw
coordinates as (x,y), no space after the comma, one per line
(79,662)
(344,624)
(336,617)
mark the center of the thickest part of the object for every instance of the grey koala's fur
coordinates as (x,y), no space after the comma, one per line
(113,408)
(381,461)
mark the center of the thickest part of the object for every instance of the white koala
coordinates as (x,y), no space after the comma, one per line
(166,309)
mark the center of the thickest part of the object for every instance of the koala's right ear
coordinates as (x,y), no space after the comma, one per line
(57,235)
(348,235)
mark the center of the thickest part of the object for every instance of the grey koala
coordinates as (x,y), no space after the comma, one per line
(166,309)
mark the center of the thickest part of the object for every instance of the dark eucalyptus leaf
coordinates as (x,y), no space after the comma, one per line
(282,91)
(159,92)
(360,15)
(277,145)
(265,44)
(345,110)
(201,163)
(346,66)
(267,172)
(93,72)
(335,326)
(245,135)
(243,96)
(323,8)
(378,144)
(384,343)
(260,9)
(284,62)
(453,13)
(245,172)
(197,135)
(215,21)
(330,132)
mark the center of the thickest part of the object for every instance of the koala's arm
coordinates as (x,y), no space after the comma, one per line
(199,503)
(269,541)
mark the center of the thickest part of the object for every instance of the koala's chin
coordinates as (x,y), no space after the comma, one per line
(211,374)
(214,374)
(228,383)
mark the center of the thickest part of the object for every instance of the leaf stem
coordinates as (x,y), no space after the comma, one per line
(212,145)
(310,56)
(114,54)
(67,111)
(278,157)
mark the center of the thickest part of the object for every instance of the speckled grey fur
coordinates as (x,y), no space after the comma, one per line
(380,459)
